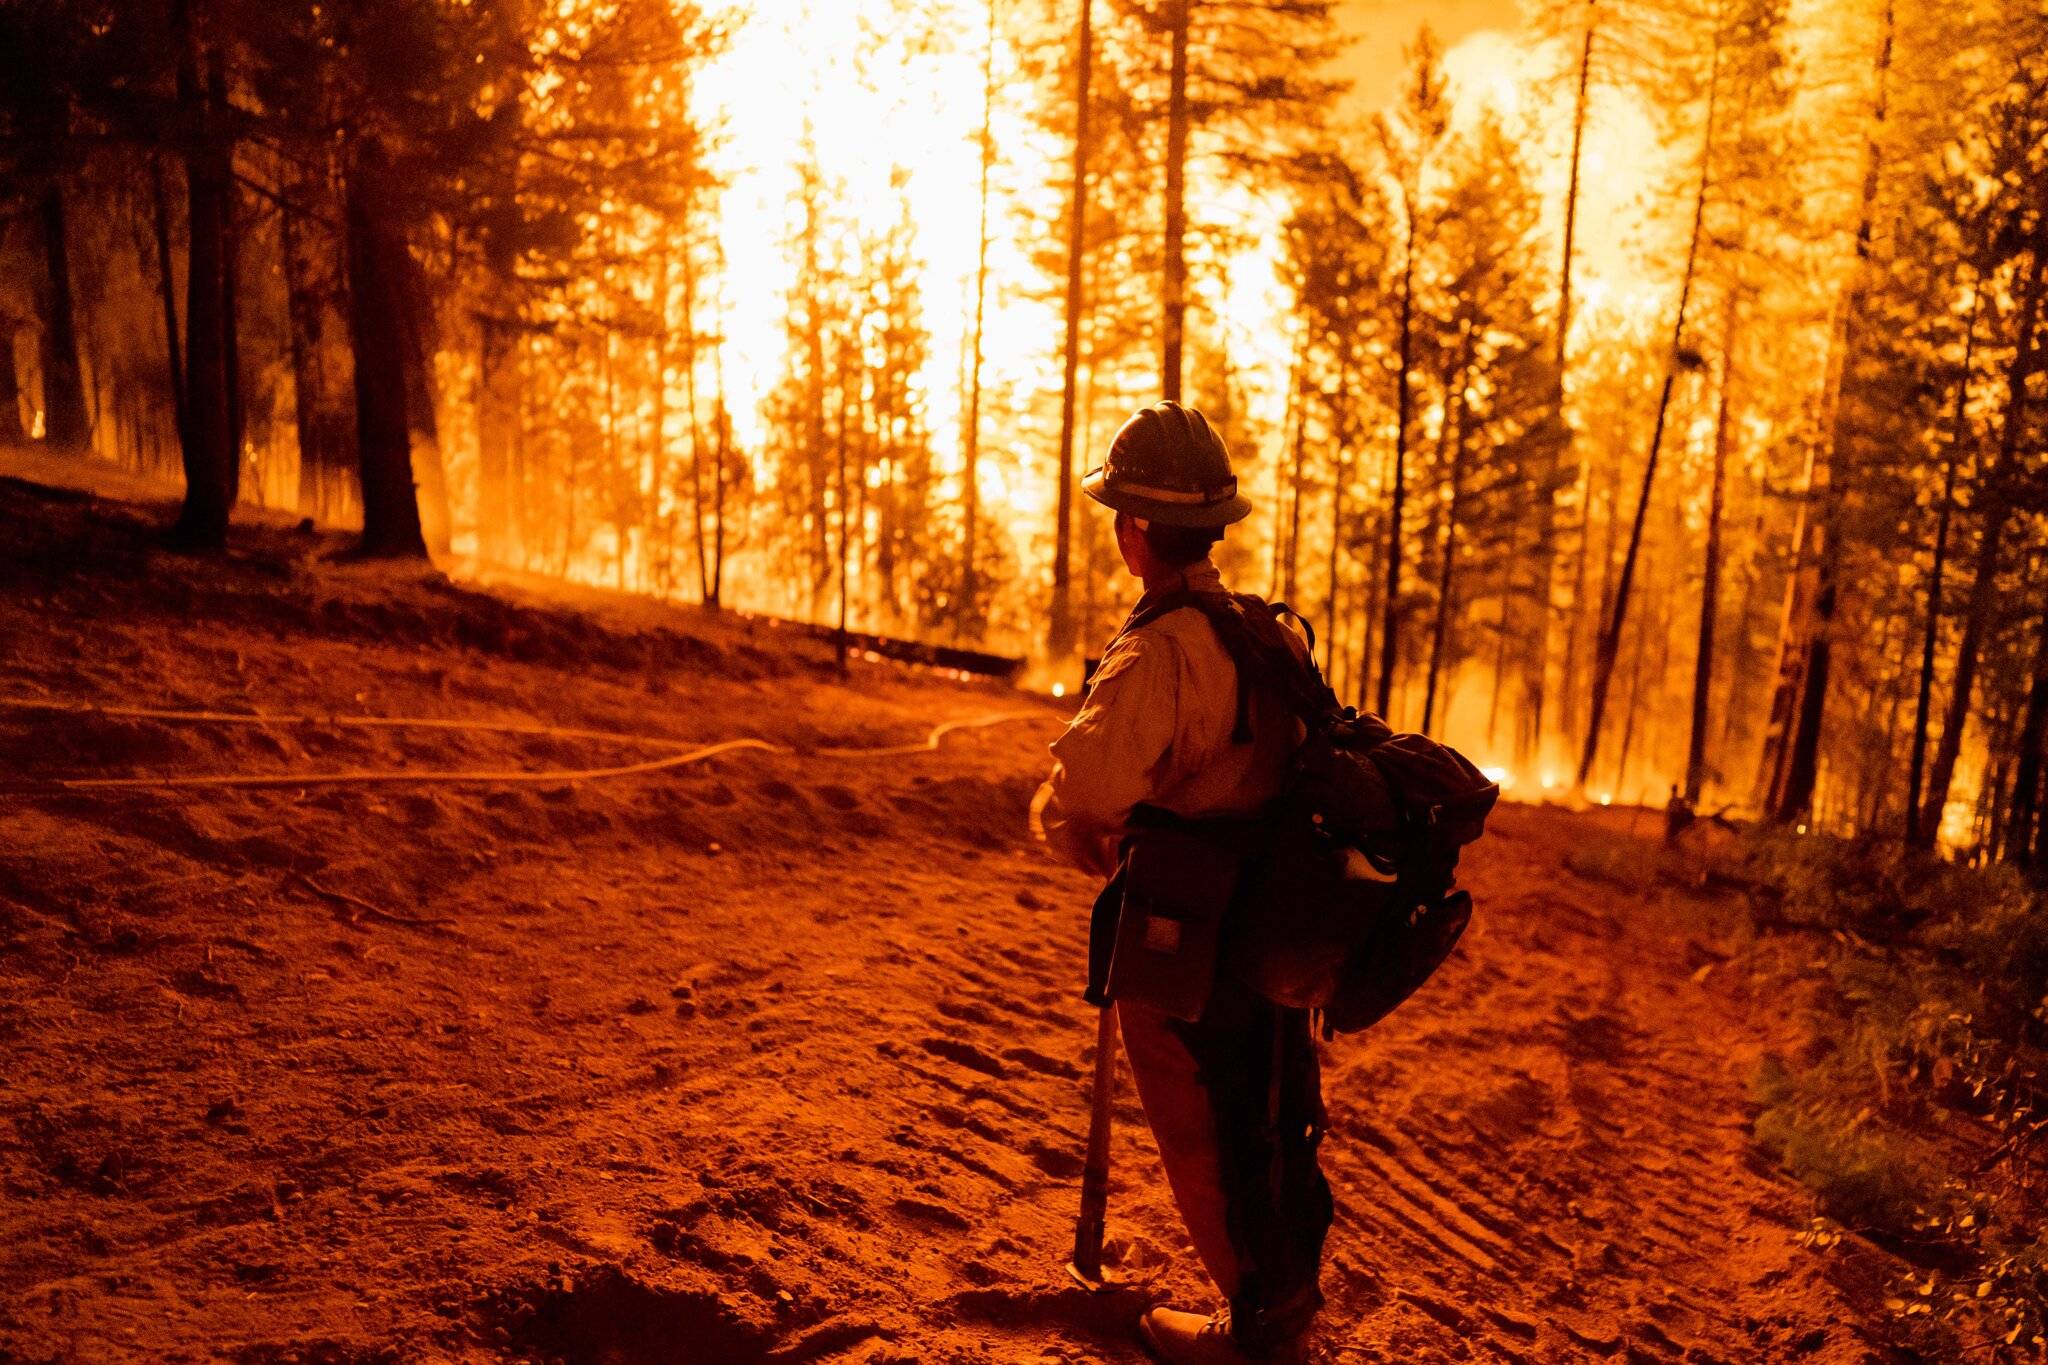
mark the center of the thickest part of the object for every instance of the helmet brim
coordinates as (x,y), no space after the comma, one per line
(1234,508)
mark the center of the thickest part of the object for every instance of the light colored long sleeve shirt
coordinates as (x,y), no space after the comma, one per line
(1156,729)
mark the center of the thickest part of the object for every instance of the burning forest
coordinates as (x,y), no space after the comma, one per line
(543,542)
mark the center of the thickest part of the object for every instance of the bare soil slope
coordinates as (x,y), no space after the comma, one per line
(777,1057)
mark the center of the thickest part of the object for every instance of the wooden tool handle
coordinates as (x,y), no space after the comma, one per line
(1095,1174)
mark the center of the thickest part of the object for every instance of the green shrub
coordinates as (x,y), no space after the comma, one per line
(1918,1111)
(1863,1177)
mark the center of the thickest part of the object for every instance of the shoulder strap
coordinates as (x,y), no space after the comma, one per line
(1150,610)
(1250,630)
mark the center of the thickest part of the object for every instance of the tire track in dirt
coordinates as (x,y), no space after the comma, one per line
(1591,1202)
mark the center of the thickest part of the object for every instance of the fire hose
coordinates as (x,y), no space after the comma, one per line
(685,753)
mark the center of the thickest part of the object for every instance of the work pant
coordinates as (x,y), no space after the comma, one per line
(1235,1104)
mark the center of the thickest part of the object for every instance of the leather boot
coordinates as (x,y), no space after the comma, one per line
(1179,1338)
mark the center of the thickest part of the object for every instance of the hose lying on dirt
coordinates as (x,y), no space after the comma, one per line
(687,753)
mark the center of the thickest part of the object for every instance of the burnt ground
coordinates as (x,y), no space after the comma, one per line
(777,1057)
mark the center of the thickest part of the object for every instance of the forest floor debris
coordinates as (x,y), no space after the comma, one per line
(776,1058)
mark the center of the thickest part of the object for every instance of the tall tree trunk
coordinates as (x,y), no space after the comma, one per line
(1440,637)
(1568,682)
(211,462)
(1369,608)
(167,288)
(1342,457)
(619,477)
(430,470)
(1571,209)
(1635,694)
(1176,203)
(2026,792)
(1959,427)
(705,595)
(658,520)
(1793,755)
(1610,640)
(1294,477)
(1390,622)
(722,432)
(970,491)
(1060,628)
(1287,421)
(65,421)
(1994,499)
(230,279)
(1575,622)
(377,334)
(324,404)
(839,447)
(1710,580)
(1500,650)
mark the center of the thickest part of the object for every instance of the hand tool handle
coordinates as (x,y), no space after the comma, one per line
(1095,1174)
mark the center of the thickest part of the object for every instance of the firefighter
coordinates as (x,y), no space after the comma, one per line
(1233,1097)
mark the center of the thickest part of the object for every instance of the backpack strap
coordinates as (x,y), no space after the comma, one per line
(1150,609)
(1250,630)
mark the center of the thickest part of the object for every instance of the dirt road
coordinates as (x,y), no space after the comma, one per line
(777,1057)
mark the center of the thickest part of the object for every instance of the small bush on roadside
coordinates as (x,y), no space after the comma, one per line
(1918,1111)
(1861,1177)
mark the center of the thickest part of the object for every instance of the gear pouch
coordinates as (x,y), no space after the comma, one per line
(1176,887)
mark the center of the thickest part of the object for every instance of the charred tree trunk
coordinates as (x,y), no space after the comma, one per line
(230,280)
(1571,209)
(1996,512)
(1337,479)
(1060,628)
(2026,792)
(656,519)
(1176,203)
(1610,639)
(1535,699)
(840,642)
(1287,422)
(1439,640)
(705,594)
(1796,762)
(377,334)
(211,459)
(65,421)
(421,409)
(1710,582)
(1568,683)
(970,490)
(1390,622)
(323,406)
(723,422)
(722,431)
(1983,590)
(1959,426)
